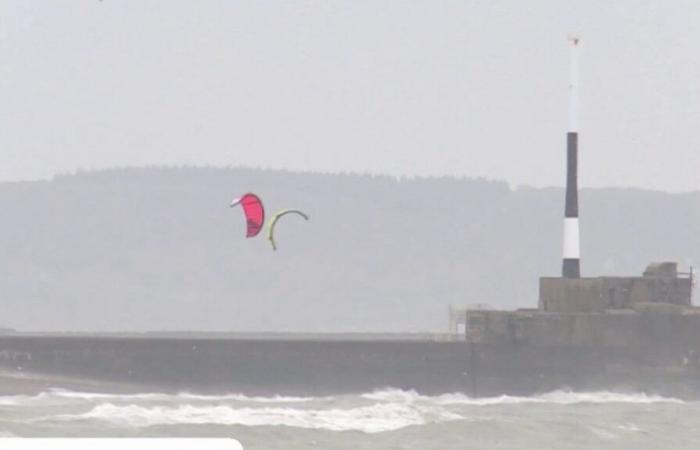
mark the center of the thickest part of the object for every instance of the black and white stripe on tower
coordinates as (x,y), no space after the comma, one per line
(571,266)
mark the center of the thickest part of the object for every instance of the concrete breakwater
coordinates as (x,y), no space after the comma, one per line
(329,366)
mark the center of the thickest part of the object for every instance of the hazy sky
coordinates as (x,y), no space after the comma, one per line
(475,88)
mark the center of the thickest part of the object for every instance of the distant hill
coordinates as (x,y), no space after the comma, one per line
(159,249)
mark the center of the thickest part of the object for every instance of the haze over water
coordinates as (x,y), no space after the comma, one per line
(388,92)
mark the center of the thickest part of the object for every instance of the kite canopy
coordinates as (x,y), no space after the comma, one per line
(273,221)
(254,213)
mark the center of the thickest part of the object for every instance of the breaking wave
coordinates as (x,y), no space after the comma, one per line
(379,411)
(369,419)
(554,397)
(56,395)
(179,397)
(385,395)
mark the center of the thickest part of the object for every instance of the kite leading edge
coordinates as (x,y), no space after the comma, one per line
(273,221)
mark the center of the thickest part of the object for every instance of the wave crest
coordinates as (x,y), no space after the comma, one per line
(383,410)
(369,419)
(559,397)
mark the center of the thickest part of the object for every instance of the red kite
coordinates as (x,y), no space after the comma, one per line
(254,213)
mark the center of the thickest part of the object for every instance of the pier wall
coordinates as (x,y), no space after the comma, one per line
(327,367)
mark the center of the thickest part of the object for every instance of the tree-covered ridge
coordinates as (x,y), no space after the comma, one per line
(159,248)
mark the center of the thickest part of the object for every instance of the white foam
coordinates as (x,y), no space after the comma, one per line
(384,396)
(369,419)
(629,428)
(62,396)
(384,410)
(9,400)
(19,400)
(245,398)
(178,397)
(567,397)
(554,397)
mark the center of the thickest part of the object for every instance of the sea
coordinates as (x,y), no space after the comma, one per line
(382,419)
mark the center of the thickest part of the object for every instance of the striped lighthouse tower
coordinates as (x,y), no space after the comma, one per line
(571,266)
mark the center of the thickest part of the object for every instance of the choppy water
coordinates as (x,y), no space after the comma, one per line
(385,419)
